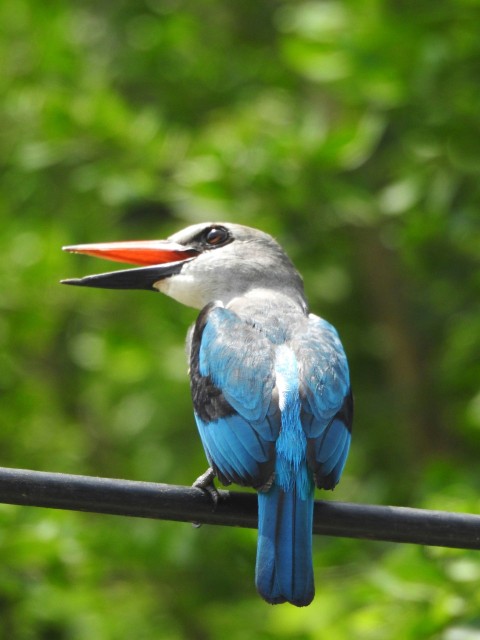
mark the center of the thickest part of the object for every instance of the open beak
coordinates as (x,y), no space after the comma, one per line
(159,259)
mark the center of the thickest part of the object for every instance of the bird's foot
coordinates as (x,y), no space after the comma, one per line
(205,483)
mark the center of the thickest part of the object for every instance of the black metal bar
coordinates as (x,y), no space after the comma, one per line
(188,504)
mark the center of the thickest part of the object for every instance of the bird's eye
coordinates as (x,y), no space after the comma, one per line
(216,236)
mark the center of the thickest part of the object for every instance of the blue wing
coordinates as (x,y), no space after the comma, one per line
(236,408)
(232,378)
(327,404)
(272,408)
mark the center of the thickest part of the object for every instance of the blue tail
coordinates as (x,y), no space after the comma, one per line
(284,571)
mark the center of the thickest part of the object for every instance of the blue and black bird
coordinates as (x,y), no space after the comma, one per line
(269,380)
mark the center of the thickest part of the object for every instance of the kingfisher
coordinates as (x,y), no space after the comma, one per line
(269,380)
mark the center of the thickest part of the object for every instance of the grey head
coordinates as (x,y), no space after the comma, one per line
(216,261)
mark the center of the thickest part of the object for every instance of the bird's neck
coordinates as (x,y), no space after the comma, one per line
(272,312)
(260,298)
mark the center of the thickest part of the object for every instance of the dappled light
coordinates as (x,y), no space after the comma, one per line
(351,132)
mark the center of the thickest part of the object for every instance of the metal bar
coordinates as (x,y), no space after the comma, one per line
(188,504)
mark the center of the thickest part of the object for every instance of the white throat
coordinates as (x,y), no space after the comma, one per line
(183,288)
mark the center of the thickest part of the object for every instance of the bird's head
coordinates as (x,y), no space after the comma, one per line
(202,263)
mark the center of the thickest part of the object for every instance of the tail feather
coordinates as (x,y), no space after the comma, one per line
(284,571)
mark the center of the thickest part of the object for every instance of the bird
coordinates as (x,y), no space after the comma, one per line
(269,380)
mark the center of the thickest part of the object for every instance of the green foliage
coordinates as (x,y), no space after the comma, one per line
(350,130)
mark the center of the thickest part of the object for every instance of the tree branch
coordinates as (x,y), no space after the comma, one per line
(188,504)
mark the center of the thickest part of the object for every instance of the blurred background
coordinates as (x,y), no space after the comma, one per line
(350,130)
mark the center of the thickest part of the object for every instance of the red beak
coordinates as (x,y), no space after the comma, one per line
(159,259)
(142,252)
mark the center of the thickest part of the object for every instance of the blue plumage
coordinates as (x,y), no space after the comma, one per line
(284,571)
(281,423)
(270,383)
(235,448)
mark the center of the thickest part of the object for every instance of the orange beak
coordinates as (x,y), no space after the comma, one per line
(143,252)
(159,259)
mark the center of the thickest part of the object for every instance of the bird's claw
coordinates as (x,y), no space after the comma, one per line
(205,483)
